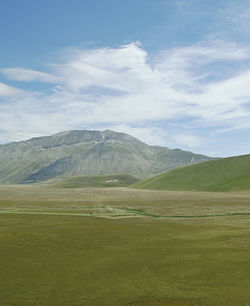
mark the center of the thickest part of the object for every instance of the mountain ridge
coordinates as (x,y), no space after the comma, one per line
(87,152)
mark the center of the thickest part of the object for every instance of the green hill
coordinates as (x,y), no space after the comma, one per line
(225,174)
(119,180)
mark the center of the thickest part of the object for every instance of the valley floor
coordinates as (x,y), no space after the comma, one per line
(121,246)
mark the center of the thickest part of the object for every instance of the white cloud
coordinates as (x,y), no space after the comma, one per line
(125,89)
(188,140)
(26,75)
(237,14)
(6,90)
(187,66)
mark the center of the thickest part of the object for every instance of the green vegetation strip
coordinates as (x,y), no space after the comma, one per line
(145,213)
(132,213)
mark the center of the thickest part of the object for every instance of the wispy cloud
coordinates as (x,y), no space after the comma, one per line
(26,75)
(7,91)
(236,14)
(189,140)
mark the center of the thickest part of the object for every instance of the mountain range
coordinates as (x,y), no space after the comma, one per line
(83,152)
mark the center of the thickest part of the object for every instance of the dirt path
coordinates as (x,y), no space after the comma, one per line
(68,214)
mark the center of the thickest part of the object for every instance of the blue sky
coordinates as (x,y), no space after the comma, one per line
(173,73)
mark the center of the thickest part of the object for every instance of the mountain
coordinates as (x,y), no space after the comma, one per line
(225,174)
(79,152)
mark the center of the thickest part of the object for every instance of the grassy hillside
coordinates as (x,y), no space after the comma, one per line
(224,174)
(118,180)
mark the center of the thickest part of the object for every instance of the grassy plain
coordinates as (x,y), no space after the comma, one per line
(120,246)
(112,180)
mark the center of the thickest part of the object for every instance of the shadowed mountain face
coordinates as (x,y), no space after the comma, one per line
(74,153)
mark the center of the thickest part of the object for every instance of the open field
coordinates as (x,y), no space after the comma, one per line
(116,180)
(120,246)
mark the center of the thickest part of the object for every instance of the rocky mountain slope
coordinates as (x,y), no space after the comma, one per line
(81,152)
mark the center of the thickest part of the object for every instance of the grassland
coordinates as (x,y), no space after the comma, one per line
(112,180)
(120,246)
(226,174)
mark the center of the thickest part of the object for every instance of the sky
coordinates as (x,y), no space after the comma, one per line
(174,73)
